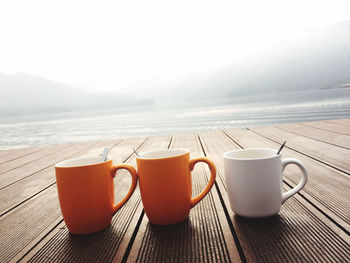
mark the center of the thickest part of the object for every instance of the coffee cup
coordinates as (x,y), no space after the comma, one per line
(166,186)
(86,192)
(254,181)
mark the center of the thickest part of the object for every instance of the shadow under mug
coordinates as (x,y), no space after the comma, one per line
(166,184)
(86,193)
(254,181)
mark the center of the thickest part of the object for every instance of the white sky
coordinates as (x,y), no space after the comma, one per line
(108,45)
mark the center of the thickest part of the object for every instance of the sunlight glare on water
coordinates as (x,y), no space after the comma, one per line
(142,122)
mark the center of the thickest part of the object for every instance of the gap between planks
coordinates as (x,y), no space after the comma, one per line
(44,245)
(328,126)
(146,246)
(310,155)
(332,138)
(306,196)
(21,186)
(322,178)
(307,209)
(24,250)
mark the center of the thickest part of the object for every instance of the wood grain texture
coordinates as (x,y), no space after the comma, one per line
(29,169)
(23,224)
(313,226)
(22,190)
(27,221)
(333,138)
(327,187)
(294,235)
(29,158)
(204,237)
(332,155)
(328,126)
(13,154)
(104,245)
(345,122)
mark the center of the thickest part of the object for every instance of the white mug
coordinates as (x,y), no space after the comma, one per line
(254,181)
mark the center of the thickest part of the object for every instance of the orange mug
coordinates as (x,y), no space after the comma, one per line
(166,185)
(86,193)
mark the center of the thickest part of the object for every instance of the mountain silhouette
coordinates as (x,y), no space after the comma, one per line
(23,94)
(321,60)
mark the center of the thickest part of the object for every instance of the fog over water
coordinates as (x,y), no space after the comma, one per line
(74,71)
(151,120)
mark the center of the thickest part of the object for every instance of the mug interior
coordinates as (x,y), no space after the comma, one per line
(81,162)
(254,153)
(162,154)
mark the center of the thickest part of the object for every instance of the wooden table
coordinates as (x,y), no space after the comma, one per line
(312,226)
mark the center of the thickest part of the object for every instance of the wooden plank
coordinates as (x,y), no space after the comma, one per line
(23,224)
(8,155)
(29,158)
(328,126)
(26,222)
(204,237)
(299,233)
(27,188)
(327,188)
(61,246)
(344,122)
(333,138)
(29,169)
(332,155)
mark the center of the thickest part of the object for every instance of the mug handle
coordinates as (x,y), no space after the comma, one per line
(133,173)
(302,182)
(206,190)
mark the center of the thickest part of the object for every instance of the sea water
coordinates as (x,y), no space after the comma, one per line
(174,117)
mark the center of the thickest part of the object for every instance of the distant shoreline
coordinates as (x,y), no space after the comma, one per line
(39,110)
(144,121)
(344,86)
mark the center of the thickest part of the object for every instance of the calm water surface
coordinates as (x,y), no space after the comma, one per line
(172,118)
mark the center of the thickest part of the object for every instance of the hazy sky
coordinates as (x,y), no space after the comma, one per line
(106,45)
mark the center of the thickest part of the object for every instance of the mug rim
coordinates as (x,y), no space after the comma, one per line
(273,154)
(64,163)
(182,151)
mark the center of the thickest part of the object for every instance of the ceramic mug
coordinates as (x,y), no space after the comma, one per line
(86,192)
(166,185)
(254,181)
